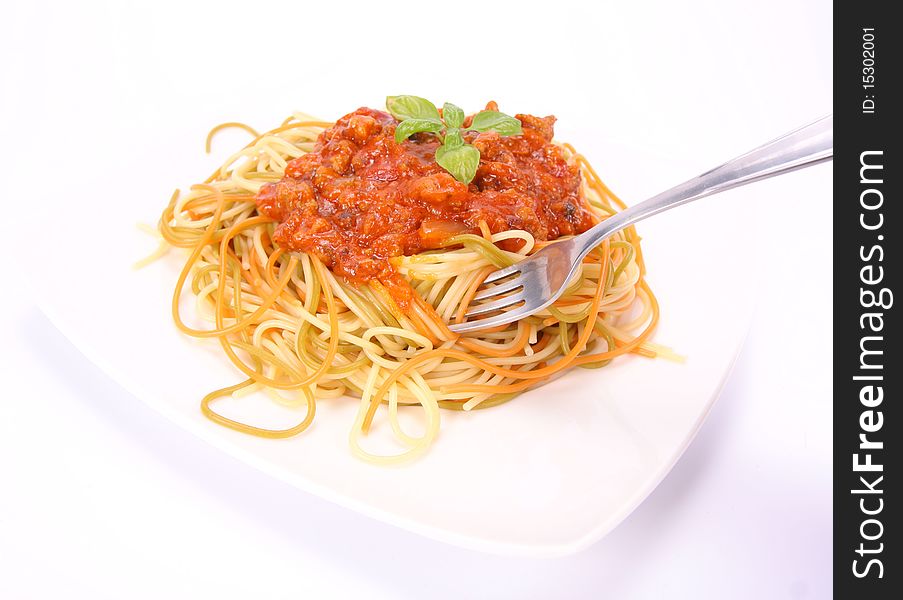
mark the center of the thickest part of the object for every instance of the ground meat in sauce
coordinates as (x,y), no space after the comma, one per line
(359,198)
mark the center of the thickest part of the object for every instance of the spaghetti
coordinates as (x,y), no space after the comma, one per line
(303,333)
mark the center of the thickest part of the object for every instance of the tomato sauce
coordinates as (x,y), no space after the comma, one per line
(359,198)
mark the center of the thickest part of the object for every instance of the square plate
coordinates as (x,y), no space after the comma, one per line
(544,475)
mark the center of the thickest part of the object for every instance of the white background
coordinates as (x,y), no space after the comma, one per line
(101,497)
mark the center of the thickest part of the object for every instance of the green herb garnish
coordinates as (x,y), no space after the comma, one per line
(418,115)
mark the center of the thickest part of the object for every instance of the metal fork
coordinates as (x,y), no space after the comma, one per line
(537,281)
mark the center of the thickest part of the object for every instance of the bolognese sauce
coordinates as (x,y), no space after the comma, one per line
(360,198)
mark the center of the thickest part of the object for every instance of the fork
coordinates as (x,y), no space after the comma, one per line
(537,281)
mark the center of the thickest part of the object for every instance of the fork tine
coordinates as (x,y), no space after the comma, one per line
(505,317)
(496,305)
(507,286)
(501,274)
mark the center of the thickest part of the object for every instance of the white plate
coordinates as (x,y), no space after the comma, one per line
(547,474)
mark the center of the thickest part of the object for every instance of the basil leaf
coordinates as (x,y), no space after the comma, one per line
(493,120)
(454,116)
(409,127)
(411,107)
(453,138)
(461,162)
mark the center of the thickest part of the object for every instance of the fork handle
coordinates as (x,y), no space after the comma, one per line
(808,145)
